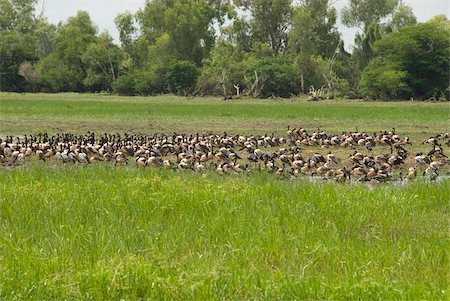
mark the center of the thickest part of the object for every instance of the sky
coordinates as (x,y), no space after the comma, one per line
(103,12)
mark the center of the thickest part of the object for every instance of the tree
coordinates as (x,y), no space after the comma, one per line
(125,85)
(362,13)
(441,21)
(314,34)
(45,35)
(239,34)
(270,22)
(126,26)
(55,76)
(103,60)
(188,23)
(402,16)
(27,72)
(223,72)
(71,42)
(421,52)
(314,28)
(382,79)
(17,42)
(181,77)
(278,77)
(375,19)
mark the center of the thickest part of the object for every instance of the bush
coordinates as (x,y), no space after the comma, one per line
(422,51)
(222,69)
(125,85)
(278,76)
(181,77)
(151,82)
(381,79)
(55,76)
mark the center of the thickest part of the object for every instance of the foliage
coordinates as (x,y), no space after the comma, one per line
(375,19)
(17,42)
(278,77)
(54,76)
(381,79)
(103,59)
(151,81)
(125,84)
(181,77)
(223,70)
(73,56)
(187,23)
(363,13)
(422,51)
(314,29)
(71,43)
(313,39)
(27,72)
(270,22)
(402,16)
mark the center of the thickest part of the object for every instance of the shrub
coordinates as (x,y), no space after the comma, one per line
(151,82)
(125,85)
(381,79)
(422,51)
(279,76)
(181,76)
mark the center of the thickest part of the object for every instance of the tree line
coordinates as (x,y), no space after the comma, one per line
(256,48)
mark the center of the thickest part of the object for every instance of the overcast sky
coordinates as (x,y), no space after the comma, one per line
(103,12)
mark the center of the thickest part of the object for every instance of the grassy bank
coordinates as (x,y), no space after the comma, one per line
(102,233)
(31,113)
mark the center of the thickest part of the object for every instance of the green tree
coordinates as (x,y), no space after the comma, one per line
(239,34)
(223,72)
(441,21)
(278,77)
(188,23)
(362,13)
(314,28)
(103,59)
(313,35)
(17,42)
(420,52)
(71,42)
(181,77)
(270,22)
(401,17)
(382,79)
(125,85)
(126,25)
(375,19)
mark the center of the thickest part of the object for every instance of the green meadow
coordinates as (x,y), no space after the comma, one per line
(28,113)
(98,232)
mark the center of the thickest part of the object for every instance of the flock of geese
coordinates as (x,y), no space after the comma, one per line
(298,153)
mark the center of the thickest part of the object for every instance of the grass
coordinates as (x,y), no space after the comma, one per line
(100,233)
(30,113)
(103,233)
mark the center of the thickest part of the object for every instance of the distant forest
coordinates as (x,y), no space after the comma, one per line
(254,48)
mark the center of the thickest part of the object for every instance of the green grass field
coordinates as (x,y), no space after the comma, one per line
(27,113)
(103,233)
(108,234)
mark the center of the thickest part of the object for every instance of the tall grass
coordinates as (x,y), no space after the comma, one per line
(100,233)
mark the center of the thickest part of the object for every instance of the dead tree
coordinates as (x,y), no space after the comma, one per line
(329,77)
(256,87)
(238,94)
(223,84)
(315,95)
